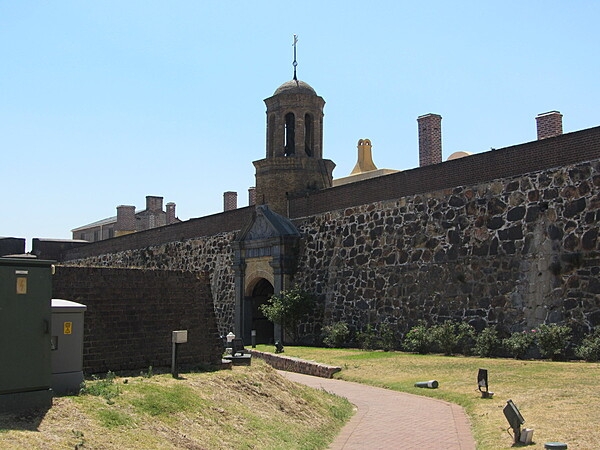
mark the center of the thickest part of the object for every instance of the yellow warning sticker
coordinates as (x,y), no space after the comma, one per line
(21,285)
(67,327)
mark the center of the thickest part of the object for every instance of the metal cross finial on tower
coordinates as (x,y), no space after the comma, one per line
(295,63)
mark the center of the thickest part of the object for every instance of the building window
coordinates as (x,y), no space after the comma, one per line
(290,134)
(270,136)
(308,135)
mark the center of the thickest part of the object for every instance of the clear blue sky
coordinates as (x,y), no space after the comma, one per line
(105,102)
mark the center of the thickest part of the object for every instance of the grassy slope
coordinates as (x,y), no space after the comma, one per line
(559,400)
(247,407)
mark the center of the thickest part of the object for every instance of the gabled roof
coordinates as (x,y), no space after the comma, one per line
(266,224)
(99,223)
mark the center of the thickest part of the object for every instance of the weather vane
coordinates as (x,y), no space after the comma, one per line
(295,63)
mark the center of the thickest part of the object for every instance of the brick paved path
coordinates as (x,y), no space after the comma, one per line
(388,419)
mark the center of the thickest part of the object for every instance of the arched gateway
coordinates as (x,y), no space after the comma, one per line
(257,294)
(266,253)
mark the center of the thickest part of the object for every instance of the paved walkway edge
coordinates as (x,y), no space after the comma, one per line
(387,419)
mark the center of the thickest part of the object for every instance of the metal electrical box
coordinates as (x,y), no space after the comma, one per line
(179,337)
(67,346)
(25,318)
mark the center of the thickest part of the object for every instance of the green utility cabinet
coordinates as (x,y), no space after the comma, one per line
(67,346)
(25,320)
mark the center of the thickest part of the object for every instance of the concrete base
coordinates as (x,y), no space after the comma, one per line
(239,360)
(23,401)
(67,383)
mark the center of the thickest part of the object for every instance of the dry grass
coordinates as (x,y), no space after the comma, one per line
(559,400)
(245,408)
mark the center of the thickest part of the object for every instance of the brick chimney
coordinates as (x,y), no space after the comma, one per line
(154,203)
(251,196)
(549,124)
(171,213)
(125,220)
(430,139)
(229,201)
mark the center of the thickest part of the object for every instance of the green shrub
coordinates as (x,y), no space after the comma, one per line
(369,338)
(445,337)
(553,340)
(590,347)
(336,335)
(466,338)
(418,339)
(487,343)
(519,343)
(388,337)
(451,337)
(373,338)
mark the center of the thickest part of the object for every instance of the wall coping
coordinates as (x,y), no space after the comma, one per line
(292,364)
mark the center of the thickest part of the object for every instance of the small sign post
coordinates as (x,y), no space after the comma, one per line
(179,337)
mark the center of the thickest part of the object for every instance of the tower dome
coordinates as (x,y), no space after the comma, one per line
(295,87)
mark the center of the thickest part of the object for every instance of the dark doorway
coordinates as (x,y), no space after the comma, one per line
(264,328)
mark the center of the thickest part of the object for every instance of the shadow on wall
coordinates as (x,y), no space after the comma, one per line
(131,314)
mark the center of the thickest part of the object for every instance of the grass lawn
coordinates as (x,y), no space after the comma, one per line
(243,408)
(559,400)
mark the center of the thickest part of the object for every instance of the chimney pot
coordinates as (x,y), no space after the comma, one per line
(154,203)
(229,201)
(430,139)
(251,196)
(125,220)
(171,213)
(549,124)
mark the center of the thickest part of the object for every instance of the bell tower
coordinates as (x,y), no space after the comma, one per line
(294,162)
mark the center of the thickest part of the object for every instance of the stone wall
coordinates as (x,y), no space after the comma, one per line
(434,243)
(291,364)
(212,255)
(512,253)
(131,315)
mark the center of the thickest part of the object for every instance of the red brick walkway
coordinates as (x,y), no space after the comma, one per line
(388,419)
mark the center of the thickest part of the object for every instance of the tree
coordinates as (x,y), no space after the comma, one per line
(287,309)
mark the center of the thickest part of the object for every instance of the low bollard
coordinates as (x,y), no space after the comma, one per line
(432,384)
(555,445)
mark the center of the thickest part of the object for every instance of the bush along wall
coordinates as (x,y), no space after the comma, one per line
(132,313)
(548,341)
